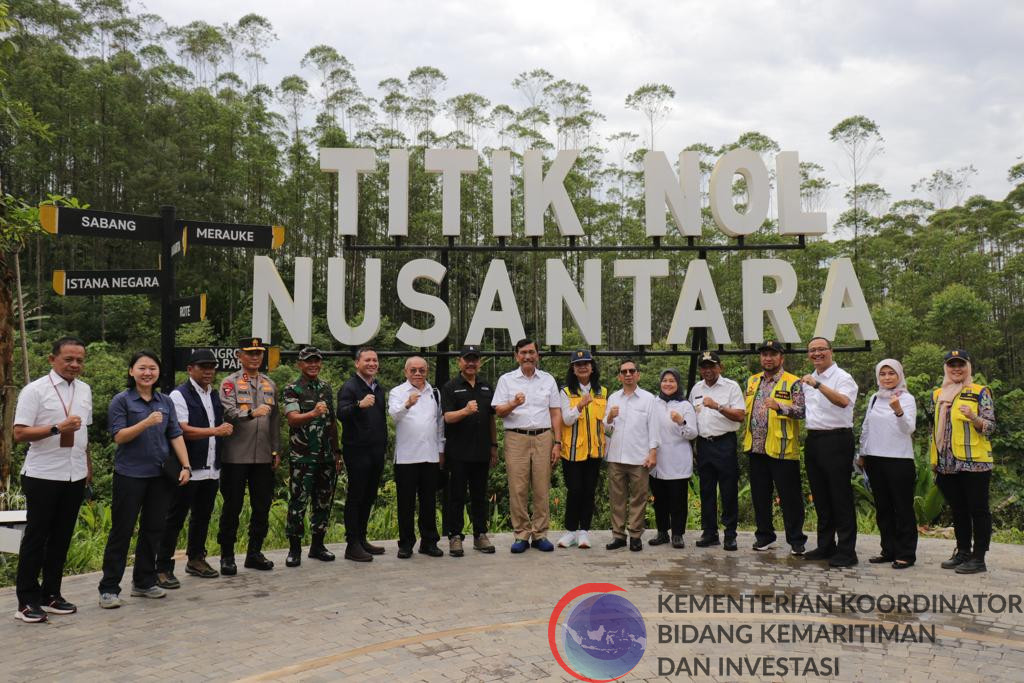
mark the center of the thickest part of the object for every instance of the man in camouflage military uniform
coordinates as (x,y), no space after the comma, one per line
(315,456)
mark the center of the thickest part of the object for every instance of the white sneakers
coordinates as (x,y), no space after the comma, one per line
(582,539)
(567,540)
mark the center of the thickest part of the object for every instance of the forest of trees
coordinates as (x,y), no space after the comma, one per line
(107,108)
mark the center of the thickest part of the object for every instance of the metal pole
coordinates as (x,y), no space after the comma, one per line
(168,237)
(699,342)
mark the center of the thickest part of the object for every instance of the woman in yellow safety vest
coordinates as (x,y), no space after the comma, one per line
(961,456)
(583,445)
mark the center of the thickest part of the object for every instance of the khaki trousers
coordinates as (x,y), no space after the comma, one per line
(621,476)
(528,464)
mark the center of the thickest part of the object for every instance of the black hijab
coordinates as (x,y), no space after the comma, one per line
(679,395)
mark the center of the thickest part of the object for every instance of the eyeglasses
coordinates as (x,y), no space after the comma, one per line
(821,350)
(629,371)
(417,371)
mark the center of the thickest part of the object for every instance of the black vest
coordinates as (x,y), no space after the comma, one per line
(198,449)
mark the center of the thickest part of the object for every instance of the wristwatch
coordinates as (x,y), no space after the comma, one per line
(54,430)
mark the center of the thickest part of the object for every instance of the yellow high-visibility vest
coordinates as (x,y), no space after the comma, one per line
(968,443)
(783,440)
(585,438)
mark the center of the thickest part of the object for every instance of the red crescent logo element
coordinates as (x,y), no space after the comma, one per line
(576,592)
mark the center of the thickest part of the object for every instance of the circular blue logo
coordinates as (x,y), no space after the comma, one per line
(605,637)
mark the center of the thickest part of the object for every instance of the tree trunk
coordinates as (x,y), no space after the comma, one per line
(8,394)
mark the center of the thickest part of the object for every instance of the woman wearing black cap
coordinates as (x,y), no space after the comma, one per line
(583,445)
(961,456)
(670,478)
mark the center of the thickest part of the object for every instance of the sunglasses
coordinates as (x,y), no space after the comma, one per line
(629,371)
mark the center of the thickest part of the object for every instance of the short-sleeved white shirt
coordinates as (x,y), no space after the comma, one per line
(181,408)
(821,412)
(40,403)
(725,392)
(541,393)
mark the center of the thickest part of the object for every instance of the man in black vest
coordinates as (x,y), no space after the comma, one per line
(201,417)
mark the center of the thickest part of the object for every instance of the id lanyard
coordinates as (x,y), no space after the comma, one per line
(67,411)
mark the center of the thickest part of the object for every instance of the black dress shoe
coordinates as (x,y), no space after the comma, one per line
(404,553)
(972,566)
(258,561)
(840,561)
(902,564)
(819,554)
(356,553)
(431,550)
(321,553)
(636,545)
(228,566)
(677,542)
(956,560)
(707,541)
(880,559)
(372,549)
(615,544)
(660,539)
(730,545)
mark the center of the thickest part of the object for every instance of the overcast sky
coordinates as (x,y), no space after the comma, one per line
(941,78)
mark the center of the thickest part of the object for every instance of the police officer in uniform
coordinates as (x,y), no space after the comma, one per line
(315,456)
(250,455)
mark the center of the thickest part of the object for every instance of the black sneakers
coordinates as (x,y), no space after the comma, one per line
(59,605)
(31,614)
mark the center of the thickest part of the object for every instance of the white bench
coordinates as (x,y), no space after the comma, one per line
(12,525)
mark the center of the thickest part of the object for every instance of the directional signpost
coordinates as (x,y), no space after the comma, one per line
(174,236)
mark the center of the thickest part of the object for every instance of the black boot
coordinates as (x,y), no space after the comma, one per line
(294,558)
(318,551)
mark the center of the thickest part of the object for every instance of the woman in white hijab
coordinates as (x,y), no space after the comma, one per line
(887,455)
(961,456)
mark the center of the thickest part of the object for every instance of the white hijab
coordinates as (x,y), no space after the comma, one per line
(901,386)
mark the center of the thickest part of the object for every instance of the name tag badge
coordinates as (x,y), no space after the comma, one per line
(783,395)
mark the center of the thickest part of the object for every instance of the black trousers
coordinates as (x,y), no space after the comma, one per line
(967,495)
(580,487)
(197,498)
(234,478)
(52,509)
(828,457)
(768,474)
(412,481)
(719,473)
(131,496)
(671,504)
(892,483)
(460,474)
(364,472)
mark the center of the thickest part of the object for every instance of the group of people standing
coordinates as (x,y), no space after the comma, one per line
(175,452)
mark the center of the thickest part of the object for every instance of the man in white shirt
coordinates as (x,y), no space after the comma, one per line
(201,417)
(631,423)
(720,412)
(51,415)
(415,407)
(830,394)
(526,400)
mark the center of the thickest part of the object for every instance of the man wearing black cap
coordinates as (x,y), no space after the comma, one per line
(250,456)
(719,404)
(470,450)
(201,417)
(315,458)
(774,406)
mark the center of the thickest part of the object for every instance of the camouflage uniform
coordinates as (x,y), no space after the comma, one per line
(312,463)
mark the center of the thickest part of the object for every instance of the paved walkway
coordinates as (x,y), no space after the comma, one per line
(482,618)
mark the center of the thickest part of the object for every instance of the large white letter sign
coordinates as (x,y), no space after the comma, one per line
(496,284)
(585,310)
(540,191)
(398,193)
(842,303)
(682,194)
(451,164)
(642,271)
(337,321)
(418,301)
(793,220)
(348,163)
(748,164)
(697,286)
(501,192)
(267,287)
(757,302)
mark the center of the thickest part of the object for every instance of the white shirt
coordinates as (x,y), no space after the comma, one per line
(181,408)
(636,430)
(727,393)
(419,431)
(675,456)
(541,393)
(821,412)
(40,403)
(885,435)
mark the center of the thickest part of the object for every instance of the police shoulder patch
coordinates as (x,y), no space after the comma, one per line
(228,388)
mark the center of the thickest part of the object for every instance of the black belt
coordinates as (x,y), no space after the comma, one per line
(718,437)
(528,432)
(840,430)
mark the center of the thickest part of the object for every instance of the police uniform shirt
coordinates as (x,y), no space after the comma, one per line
(42,402)
(419,430)
(637,428)
(181,409)
(541,393)
(820,412)
(727,393)
(469,439)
